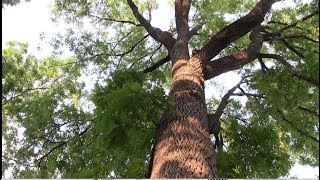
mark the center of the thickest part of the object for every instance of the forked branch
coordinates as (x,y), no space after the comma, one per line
(235,30)
(162,37)
(232,62)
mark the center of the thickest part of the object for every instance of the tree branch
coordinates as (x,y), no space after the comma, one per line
(58,146)
(235,30)
(296,128)
(182,8)
(229,63)
(157,64)
(263,65)
(195,30)
(301,20)
(4,101)
(248,95)
(308,110)
(107,19)
(121,54)
(163,37)
(297,36)
(292,48)
(114,20)
(293,72)
(49,152)
(223,104)
(134,46)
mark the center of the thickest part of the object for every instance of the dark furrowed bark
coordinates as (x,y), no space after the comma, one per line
(183,146)
(235,30)
(233,62)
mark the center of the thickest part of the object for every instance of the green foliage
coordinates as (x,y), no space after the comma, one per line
(295,104)
(44,99)
(40,100)
(53,128)
(127,110)
(252,148)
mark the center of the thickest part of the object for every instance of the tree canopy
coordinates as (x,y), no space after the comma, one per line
(54,127)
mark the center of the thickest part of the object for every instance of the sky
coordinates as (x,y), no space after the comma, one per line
(27,20)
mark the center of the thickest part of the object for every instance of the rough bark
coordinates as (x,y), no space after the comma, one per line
(183,148)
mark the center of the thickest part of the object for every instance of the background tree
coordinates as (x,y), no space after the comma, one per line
(10,2)
(263,137)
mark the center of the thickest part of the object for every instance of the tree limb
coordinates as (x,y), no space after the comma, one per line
(223,104)
(292,48)
(296,128)
(296,36)
(4,101)
(163,37)
(299,21)
(114,20)
(232,62)
(157,64)
(182,8)
(235,30)
(195,30)
(308,110)
(49,152)
(263,65)
(248,95)
(58,146)
(293,72)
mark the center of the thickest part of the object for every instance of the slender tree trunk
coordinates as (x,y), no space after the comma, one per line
(183,146)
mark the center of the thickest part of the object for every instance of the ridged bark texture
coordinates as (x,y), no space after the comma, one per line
(183,147)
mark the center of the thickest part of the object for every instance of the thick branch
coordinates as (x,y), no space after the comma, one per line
(157,64)
(163,37)
(235,30)
(182,8)
(180,49)
(229,63)
(293,72)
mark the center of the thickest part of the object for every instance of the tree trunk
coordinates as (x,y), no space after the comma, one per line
(183,148)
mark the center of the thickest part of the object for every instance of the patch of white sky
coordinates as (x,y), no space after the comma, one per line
(26,21)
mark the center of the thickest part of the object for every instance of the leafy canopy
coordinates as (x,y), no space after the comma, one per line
(53,127)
